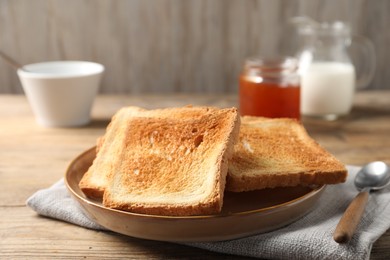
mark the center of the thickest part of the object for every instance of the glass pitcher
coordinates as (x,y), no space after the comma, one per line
(329,77)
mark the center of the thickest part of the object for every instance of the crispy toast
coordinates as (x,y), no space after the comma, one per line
(279,153)
(167,161)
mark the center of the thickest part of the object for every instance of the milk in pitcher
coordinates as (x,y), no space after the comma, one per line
(327,89)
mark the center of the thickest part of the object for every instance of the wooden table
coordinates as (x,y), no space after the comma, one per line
(33,157)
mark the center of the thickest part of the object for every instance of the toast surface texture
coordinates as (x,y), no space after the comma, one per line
(279,153)
(170,161)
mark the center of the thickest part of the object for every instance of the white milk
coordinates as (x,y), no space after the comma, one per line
(327,89)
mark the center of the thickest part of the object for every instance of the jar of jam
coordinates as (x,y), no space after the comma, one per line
(270,88)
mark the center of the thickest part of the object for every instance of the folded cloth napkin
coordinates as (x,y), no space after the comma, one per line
(308,238)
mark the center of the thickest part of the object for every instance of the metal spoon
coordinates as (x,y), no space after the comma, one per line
(373,176)
(11,61)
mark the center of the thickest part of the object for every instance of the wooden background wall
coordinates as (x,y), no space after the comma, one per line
(167,46)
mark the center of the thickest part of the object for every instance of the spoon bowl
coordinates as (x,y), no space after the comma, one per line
(373,176)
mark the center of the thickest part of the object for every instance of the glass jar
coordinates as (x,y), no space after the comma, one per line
(270,88)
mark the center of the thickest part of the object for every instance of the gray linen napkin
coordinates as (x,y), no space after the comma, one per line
(308,238)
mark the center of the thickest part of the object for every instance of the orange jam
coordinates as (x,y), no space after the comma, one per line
(270,89)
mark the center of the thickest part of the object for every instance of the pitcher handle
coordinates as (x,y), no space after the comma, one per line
(365,63)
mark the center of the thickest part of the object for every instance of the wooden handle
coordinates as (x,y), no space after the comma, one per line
(351,218)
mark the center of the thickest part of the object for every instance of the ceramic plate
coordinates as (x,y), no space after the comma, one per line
(243,214)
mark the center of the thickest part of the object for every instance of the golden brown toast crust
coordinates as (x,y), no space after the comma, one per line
(170,161)
(279,153)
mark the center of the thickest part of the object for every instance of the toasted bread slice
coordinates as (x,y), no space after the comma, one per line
(167,161)
(279,153)
(173,165)
(95,179)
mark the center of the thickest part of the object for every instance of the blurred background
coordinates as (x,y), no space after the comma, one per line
(165,46)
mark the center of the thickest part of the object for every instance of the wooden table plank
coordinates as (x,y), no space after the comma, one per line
(33,157)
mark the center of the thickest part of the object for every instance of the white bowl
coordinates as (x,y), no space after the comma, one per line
(61,93)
